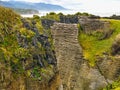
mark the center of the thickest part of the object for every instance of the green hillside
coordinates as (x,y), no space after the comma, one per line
(22,49)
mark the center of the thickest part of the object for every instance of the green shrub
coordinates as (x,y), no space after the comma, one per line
(114,86)
(52,16)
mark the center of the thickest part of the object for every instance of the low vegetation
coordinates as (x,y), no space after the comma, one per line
(19,48)
(51,16)
(56,17)
(114,86)
(24,54)
(93,47)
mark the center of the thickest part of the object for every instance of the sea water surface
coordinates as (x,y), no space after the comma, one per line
(43,13)
(65,12)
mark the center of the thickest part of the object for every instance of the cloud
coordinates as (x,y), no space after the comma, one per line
(86,5)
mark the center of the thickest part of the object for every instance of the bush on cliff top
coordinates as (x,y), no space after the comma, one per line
(51,16)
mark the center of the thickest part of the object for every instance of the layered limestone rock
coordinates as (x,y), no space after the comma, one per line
(89,25)
(94,26)
(68,53)
(75,73)
(116,45)
(109,67)
(28,62)
(105,62)
(69,19)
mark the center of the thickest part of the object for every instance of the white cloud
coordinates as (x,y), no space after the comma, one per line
(103,6)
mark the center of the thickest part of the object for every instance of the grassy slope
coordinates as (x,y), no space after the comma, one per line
(92,46)
(51,16)
(11,53)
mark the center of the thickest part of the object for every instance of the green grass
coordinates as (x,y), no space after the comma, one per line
(13,39)
(92,46)
(114,86)
(51,16)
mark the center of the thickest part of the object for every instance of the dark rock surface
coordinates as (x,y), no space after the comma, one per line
(43,39)
(115,49)
(89,25)
(69,19)
(47,23)
(35,66)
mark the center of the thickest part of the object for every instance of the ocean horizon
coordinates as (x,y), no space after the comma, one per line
(65,12)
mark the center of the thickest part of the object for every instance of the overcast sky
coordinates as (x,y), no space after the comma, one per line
(102,6)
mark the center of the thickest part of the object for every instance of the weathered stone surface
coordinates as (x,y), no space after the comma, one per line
(90,26)
(109,67)
(75,73)
(9,82)
(116,45)
(47,23)
(69,19)
(33,69)
(68,53)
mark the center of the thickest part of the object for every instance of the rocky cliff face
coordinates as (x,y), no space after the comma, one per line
(33,59)
(27,59)
(75,72)
(68,53)
(90,26)
(69,19)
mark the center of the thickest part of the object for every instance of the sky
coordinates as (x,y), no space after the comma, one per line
(92,6)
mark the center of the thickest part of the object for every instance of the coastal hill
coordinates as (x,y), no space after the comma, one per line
(28,5)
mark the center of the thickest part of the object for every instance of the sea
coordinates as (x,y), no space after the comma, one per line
(65,12)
